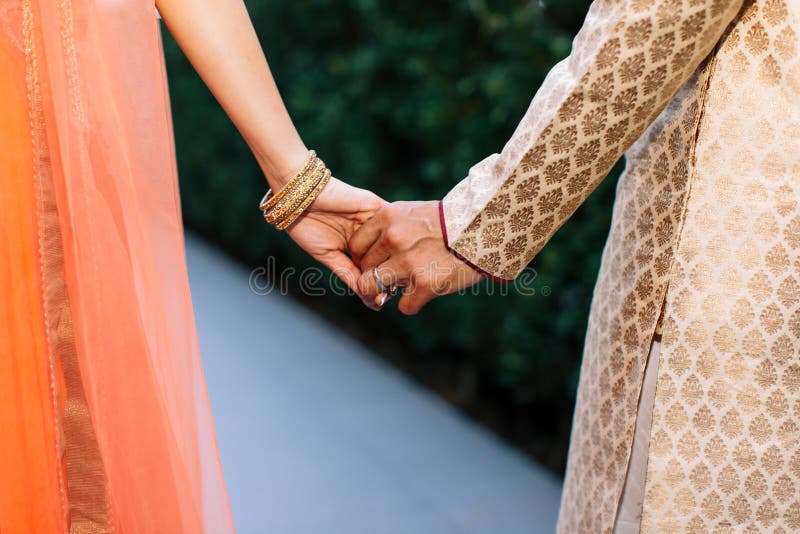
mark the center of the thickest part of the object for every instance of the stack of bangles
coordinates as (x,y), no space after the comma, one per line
(283,208)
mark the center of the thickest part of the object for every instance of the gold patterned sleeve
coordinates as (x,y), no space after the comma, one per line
(628,61)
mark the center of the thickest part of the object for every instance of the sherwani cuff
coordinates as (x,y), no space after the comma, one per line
(457,254)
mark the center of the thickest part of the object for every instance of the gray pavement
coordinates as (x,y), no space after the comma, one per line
(319,436)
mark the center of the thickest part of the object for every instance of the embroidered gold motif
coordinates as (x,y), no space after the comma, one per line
(83,483)
(709,207)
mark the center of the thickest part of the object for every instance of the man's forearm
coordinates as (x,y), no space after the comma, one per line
(627,63)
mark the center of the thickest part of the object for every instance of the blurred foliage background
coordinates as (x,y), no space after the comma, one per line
(403,98)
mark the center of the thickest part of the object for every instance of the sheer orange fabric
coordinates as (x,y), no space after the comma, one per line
(103,405)
(30,498)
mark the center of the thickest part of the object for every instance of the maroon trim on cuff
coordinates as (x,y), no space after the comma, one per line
(443,225)
(459,256)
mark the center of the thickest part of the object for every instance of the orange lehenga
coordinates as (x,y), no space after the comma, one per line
(104,414)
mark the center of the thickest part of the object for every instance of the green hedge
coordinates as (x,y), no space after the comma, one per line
(403,99)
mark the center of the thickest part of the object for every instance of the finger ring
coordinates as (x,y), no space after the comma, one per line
(378,282)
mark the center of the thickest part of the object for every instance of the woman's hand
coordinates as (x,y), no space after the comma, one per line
(325,229)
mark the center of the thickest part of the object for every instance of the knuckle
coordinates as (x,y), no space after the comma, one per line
(393,236)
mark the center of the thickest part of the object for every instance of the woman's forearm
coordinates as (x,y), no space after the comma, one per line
(218,38)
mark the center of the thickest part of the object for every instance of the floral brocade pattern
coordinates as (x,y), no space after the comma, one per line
(628,61)
(725,441)
(630,289)
(705,235)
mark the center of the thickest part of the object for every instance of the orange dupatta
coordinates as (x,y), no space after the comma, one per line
(103,407)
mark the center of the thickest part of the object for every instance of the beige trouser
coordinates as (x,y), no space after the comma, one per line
(629,515)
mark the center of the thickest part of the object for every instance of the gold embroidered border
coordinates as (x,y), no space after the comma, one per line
(82,479)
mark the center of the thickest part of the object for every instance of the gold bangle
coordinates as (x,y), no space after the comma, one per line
(283,208)
(306,203)
(295,197)
(269,200)
(274,210)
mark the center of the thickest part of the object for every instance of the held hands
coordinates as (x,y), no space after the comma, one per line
(403,241)
(325,229)
(391,246)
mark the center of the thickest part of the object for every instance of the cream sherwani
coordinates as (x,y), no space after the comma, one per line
(704,95)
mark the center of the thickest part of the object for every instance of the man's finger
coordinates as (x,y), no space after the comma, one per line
(414,299)
(366,235)
(376,255)
(390,275)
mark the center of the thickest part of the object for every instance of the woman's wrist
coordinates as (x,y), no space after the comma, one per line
(280,168)
(282,206)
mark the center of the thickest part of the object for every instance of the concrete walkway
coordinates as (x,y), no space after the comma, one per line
(318,436)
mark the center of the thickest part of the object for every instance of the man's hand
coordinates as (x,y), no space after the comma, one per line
(404,241)
(325,229)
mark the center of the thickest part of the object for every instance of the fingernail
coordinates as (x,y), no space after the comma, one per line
(382,299)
